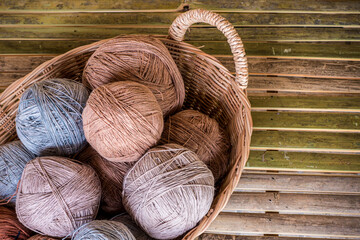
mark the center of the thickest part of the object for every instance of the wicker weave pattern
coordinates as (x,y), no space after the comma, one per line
(210,88)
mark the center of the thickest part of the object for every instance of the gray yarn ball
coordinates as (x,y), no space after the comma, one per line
(13,158)
(103,230)
(48,121)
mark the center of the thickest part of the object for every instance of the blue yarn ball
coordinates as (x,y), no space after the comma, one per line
(13,158)
(48,121)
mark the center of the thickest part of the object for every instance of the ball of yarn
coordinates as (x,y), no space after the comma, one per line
(201,134)
(10,227)
(13,158)
(122,120)
(103,229)
(125,219)
(168,191)
(143,59)
(41,237)
(57,195)
(111,176)
(48,121)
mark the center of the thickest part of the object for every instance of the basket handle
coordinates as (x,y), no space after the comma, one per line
(185,20)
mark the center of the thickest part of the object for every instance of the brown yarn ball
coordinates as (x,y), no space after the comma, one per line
(122,120)
(57,195)
(111,175)
(143,59)
(41,237)
(201,134)
(168,191)
(10,227)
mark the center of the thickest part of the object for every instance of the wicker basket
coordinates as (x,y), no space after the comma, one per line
(210,88)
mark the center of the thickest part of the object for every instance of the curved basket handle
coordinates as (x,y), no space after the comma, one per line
(184,21)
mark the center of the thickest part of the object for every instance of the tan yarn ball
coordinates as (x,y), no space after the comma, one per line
(143,59)
(111,175)
(201,134)
(57,195)
(122,120)
(168,191)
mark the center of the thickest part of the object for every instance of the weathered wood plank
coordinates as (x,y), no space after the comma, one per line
(290,203)
(325,50)
(321,5)
(112,18)
(305,121)
(300,84)
(286,225)
(257,66)
(263,83)
(309,141)
(298,67)
(299,183)
(209,236)
(281,101)
(303,161)
(197,33)
(86,4)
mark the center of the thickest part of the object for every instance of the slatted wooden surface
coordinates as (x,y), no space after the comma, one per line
(304,65)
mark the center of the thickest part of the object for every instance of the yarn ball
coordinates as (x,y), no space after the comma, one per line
(122,120)
(125,219)
(10,227)
(57,195)
(48,121)
(103,230)
(13,158)
(168,191)
(111,176)
(41,237)
(201,134)
(143,59)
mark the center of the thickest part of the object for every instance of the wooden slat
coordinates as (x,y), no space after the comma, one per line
(306,141)
(321,5)
(300,84)
(209,236)
(328,50)
(298,67)
(86,4)
(306,121)
(303,161)
(299,183)
(197,33)
(112,18)
(304,102)
(286,225)
(257,65)
(291,203)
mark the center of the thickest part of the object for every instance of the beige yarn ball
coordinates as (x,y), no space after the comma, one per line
(57,195)
(139,58)
(168,191)
(201,134)
(122,120)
